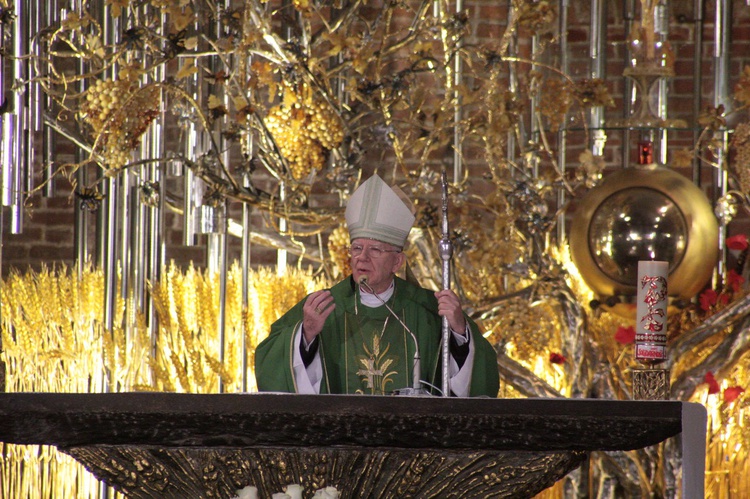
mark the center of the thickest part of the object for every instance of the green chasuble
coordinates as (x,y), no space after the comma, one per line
(366,350)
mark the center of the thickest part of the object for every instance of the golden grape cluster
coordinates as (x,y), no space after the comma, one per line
(338,249)
(305,130)
(118,113)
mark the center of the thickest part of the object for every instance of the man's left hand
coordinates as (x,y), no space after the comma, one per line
(450,307)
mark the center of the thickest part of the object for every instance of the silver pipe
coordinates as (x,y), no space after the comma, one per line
(723,23)
(629,87)
(139,227)
(598,53)
(245,261)
(195,143)
(36,96)
(281,254)
(157,174)
(722,96)
(513,140)
(192,151)
(82,217)
(6,145)
(6,164)
(661,25)
(223,241)
(48,137)
(115,193)
(139,241)
(697,80)
(245,258)
(562,134)
(14,155)
(223,238)
(126,252)
(458,111)
(188,209)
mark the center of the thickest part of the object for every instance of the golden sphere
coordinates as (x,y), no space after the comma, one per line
(644,213)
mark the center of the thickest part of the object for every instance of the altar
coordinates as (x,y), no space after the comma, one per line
(171,445)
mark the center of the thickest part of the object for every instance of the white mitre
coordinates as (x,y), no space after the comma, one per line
(379,211)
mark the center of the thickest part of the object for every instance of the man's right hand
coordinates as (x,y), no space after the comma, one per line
(316,309)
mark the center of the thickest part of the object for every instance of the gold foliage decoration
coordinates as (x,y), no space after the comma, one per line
(53,340)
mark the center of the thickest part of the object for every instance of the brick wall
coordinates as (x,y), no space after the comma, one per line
(49,235)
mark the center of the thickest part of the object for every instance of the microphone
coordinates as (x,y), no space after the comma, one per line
(416,389)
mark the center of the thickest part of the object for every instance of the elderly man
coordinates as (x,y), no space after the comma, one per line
(361,335)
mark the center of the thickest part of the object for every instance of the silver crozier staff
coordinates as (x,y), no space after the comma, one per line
(446,251)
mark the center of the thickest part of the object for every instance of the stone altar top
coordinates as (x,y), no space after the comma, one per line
(171,445)
(172,419)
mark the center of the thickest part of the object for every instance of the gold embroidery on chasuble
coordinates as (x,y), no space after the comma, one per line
(374,347)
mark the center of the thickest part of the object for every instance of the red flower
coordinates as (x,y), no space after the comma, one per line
(625,335)
(738,242)
(731,393)
(708,299)
(734,280)
(556,358)
(713,385)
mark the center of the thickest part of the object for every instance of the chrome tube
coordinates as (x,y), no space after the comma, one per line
(35,106)
(562,135)
(598,51)
(697,80)
(458,111)
(245,262)
(661,25)
(722,97)
(246,259)
(629,87)
(50,13)
(157,176)
(6,127)
(195,145)
(511,147)
(111,216)
(223,242)
(82,217)
(14,136)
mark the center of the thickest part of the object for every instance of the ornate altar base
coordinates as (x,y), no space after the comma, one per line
(148,472)
(183,445)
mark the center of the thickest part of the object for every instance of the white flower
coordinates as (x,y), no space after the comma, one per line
(326,493)
(280,495)
(248,492)
(294,491)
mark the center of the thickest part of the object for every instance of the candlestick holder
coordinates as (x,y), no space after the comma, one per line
(651,383)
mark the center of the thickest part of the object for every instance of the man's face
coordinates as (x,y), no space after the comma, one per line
(377,260)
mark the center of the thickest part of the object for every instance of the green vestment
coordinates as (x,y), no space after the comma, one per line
(363,350)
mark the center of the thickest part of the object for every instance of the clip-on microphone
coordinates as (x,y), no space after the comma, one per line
(416,389)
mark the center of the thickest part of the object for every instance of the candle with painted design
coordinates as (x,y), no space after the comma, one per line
(651,312)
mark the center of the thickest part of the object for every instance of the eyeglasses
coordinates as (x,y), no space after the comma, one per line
(356,250)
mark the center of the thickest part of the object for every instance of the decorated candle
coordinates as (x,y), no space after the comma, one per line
(651,312)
